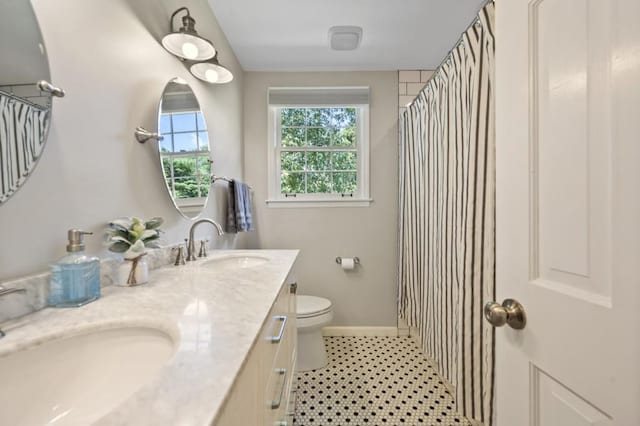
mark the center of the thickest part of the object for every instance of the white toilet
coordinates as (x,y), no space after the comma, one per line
(312,313)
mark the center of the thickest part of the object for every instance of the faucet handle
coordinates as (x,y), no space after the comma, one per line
(203,248)
(180,256)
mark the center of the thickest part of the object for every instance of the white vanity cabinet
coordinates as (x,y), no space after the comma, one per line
(264,391)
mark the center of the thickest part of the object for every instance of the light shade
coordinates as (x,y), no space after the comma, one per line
(185,42)
(345,38)
(211,72)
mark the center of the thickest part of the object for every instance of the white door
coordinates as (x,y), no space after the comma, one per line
(568,211)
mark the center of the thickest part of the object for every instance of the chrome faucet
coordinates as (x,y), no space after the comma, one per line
(4,292)
(191,247)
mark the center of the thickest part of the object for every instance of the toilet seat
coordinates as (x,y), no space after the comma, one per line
(311,306)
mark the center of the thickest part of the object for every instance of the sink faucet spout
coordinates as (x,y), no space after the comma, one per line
(191,246)
(3,292)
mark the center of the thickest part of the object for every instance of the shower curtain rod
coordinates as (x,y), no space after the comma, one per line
(23,100)
(455,46)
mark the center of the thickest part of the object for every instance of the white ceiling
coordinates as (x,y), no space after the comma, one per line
(292,35)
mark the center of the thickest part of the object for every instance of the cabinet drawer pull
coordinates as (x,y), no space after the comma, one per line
(275,404)
(293,288)
(277,338)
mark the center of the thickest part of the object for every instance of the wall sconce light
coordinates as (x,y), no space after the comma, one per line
(185,43)
(197,52)
(211,71)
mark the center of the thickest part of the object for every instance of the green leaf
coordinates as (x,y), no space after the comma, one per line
(153,223)
(135,250)
(149,235)
(117,233)
(119,247)
(116,239)
(124,223)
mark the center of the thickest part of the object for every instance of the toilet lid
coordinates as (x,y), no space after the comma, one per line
(309,306)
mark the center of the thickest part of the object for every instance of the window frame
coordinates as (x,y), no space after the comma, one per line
(276,198)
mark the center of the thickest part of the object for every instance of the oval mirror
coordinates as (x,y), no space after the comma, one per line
(184,148)
(25,111)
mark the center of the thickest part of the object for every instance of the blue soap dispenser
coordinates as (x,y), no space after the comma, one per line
(75,279)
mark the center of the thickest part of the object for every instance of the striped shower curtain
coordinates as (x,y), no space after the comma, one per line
(22,137)
(447,220)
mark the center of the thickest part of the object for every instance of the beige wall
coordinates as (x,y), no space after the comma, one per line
(367,296)
(107,56)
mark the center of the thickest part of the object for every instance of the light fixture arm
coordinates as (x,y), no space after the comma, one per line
(188,22)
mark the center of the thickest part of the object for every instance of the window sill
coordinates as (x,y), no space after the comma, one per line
(362,202)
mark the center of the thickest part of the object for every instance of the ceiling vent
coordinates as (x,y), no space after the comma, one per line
(345,38)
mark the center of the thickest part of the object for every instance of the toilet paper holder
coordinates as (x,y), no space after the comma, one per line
(356,260)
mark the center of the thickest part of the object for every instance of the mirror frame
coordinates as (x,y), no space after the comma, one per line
(23,177)
(174,200)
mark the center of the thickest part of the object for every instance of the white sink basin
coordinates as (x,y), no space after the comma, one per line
(77,380)
(236,261)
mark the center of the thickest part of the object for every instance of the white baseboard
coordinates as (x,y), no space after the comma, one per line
(360,331)
(403,328)
(413,332)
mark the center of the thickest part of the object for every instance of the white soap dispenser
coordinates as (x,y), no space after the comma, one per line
(75,279)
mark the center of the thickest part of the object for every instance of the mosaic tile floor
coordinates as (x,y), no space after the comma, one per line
(374,381)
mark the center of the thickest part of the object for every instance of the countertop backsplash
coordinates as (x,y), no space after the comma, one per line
(37,286)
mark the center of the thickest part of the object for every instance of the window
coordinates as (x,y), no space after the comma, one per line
(318,152)
(184,152)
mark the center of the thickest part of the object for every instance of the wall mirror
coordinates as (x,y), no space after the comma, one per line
(25,108)
(184,148)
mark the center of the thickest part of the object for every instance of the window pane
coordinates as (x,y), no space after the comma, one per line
(317,136)
(318,182)
(343,117)
(165,144)
(292,183)
(166,166)
(292,136)
(165,123)
(185,142)
(184,122)
(204,166)
(319,117)
(203,141)
(344,137)
(170,185)
(186,187)
(292,161)
(183,167)
(292,116)
(345,160)
(318,160)
(204,186)
(345,183)
(201,124)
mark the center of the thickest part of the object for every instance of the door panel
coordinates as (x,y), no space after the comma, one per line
(568,211)
(570,146)
(555,405)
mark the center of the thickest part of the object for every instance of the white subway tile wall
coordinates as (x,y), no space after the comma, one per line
(409,85)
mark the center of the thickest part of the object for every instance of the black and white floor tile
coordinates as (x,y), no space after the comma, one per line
(374,381)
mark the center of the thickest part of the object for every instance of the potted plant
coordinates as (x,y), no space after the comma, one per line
(132,236)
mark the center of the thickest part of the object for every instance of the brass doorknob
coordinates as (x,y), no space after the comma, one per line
(510,312)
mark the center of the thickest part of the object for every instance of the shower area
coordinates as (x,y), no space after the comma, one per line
(447,218)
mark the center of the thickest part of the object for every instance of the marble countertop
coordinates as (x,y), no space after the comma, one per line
(214,315)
